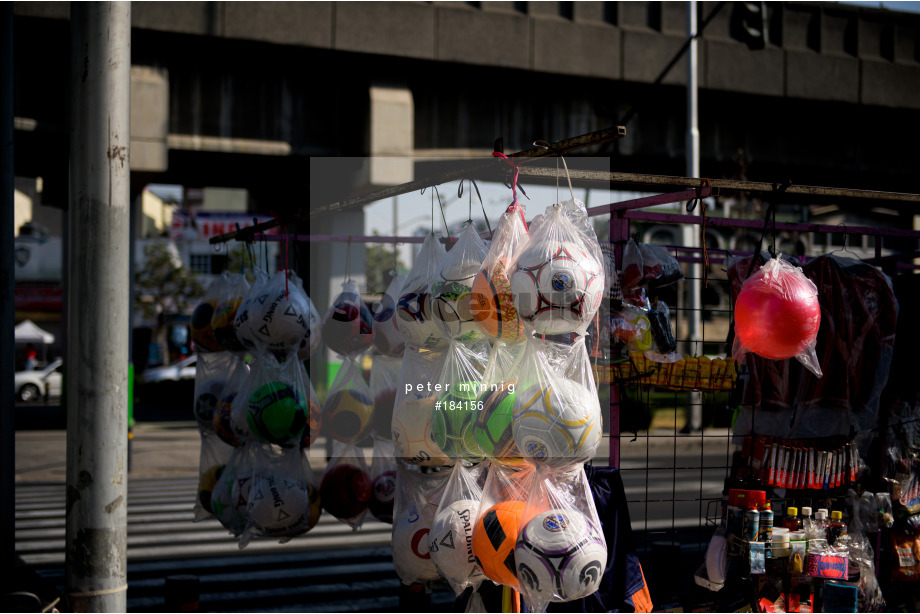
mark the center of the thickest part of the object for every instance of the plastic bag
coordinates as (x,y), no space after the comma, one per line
(387,338)
(227,499)
(414,319)
(274,407)
(412,413)
(314,413)
(238,379)
(417,498)
(450,292)
(504,498)
(348,327)
(659,267)
(200,323)
(386,373)
(282,498)
(492,427)
(632,266)
(383,480)
(777,315)
(557,416)
(349,406)
(492,301)
(313,339)
(558,279)
(560,553)
(247,312)
(278,315)
(217,376)
(231,289)
(451,538)
(457,406)
(212,460)
(659,318)
(346,487)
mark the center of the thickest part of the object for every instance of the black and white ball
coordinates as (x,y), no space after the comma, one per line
(451,298)
(278,506)
(451,542)
(557,287)
(279,318)
(560,556)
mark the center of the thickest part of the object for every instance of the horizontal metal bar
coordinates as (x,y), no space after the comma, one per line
(649,201)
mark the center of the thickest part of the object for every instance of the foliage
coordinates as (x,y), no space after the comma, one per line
(379,265)
(164,286)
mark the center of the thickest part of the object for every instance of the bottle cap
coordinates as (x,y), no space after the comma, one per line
(821,515)
(822,509)
(836,515)
(792,511)
(806,511)
(767,506)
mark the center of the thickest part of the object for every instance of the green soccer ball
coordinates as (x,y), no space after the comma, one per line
(492,428)
(277,414)
(452,422)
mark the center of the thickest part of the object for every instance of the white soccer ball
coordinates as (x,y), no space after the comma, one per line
(228,503)
(558,425)
(411,556)
(278,319)
(559,556)
(451,298)
(415,322)
(557,287)
(278,506)
(451,542)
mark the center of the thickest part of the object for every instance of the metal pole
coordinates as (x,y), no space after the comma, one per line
(98,326)
(690,233)
(7,304)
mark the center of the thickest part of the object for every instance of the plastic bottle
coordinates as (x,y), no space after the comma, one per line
(836,528)
(792,521)
(807,520)
(820,523)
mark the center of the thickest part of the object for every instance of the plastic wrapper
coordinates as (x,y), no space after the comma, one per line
(558,279)
(777,315)
(314,414)
(659,267)
(200,323)
(451,538)
(387,338)
(313,339)
(212,461)
(231,288)
(278,314)
(557,416)
(386,373)
(501,512)
(457,405)
(631,276)
(282,500)
(349,406)
(631,328)
(383,480)
(412,413)
(414,318)
(247,312)
(659,318)
(492,427)
(217,376)
(417,498)
(227,499)
(237,374)
(493,302)
(346,487)
(348,326)
(450,291)
(274,406)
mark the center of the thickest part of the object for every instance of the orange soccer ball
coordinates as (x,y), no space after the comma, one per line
(492,303)
(494,537)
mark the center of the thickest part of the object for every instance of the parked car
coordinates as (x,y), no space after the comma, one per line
(38,383)
(176,372)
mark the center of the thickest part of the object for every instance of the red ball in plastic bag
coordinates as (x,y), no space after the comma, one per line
(345,491)
(777,314)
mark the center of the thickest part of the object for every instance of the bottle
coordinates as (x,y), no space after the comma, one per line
(791,521)
(807,520)
(820,524)
(765,534)
(836,527)
(751,524)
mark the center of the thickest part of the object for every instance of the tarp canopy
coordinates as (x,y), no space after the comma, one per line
(28,332)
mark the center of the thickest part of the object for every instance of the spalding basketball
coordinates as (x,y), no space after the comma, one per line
(345,491)
(494,537)
(493,304)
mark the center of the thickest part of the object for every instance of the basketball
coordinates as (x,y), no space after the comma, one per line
(347,414)
(451,541)
(279,506)
(221,421)
(493,303)
(383,496)
(557,426)
(348,327)
(345,491)
(201,332)
(314,424)
(414,321)
(452,422)
(206,484)
(492,428)
(494,536)
(411,557)
(557,287)
(277,414)
(559,556)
